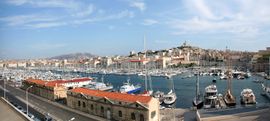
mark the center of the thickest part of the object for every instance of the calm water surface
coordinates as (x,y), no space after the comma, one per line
(185,88)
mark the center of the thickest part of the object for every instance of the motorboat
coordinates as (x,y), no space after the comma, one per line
(210,97)
(130,88)
(247,97)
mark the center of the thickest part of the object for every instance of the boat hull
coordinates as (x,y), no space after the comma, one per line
(134,91)
(197,104)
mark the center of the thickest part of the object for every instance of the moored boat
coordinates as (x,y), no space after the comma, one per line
(197,101)
(247,97)
(170,98)
(129,88)
(210,97)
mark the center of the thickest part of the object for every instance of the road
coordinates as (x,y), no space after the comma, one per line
(53,108)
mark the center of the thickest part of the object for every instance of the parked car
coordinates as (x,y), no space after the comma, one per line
(31,115)
(19,107)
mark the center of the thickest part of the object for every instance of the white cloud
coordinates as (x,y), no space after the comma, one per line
(85,12)
(43,45)
(244,17)
(47,24)
(21,20)
(122,14)
(138,4)
(69,4)
(17,2)
(149,22)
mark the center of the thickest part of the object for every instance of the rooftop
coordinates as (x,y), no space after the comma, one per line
(56,82)
(114,95)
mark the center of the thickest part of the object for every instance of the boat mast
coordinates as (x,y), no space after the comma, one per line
(268,73)
(102,78)
(197,82)
(146,72)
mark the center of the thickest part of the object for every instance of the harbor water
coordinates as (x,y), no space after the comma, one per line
(185,87)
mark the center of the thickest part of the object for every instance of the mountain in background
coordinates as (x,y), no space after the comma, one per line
(74,56)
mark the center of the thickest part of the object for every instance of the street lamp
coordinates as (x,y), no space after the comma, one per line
(4,83)
(27,98)
(4,88)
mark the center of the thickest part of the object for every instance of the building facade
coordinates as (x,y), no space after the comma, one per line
(53,90)
(114,105)
(48,90)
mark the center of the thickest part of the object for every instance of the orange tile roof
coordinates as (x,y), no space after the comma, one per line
(56,82)
(113,95)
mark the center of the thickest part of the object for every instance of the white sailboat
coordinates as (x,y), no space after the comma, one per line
(170,97)
(198,101)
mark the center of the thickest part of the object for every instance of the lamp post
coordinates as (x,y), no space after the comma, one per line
(4,88)
(4,83)
(27,98)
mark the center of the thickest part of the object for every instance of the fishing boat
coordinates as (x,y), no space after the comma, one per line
(197,101)
(210,97)
(129,88)
(247,97)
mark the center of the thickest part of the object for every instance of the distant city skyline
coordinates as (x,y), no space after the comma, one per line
(46,28)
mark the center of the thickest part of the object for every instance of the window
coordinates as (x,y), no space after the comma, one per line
(92,107)
(153,114)
(141,117)
(133,116)
(102,109)
(84,104)
(79,103)
(120,113)
(120,103)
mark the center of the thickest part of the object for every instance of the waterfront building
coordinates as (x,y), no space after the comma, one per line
(260,61)
(53,90)
(114,105)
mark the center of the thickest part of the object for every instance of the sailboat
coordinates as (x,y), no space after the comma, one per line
(197,101)
(170,97)
(228,97)
(147,75)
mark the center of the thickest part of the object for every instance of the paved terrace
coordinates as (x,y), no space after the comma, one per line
(250,113)
(8,113)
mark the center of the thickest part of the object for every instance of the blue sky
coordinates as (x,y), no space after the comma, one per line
(44,28)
